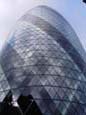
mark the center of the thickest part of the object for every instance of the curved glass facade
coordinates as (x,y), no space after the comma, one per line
(42,60)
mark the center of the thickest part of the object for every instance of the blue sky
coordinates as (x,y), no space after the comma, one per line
(73,10)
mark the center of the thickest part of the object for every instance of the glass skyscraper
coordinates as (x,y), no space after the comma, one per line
(44,58)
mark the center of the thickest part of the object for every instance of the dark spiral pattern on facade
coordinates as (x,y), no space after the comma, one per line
(44,58)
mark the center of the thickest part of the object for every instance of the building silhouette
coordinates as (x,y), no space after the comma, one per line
(43,66)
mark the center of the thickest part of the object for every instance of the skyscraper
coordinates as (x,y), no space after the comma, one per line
(44,58)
